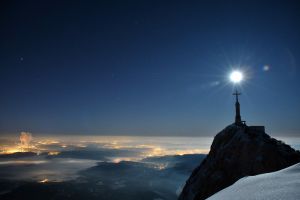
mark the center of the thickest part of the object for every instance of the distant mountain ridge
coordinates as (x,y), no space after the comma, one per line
(236,152)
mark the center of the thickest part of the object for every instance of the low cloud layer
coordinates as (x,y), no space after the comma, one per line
(105,168)
(150,178)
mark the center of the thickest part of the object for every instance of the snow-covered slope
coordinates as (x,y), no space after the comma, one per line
(283,184)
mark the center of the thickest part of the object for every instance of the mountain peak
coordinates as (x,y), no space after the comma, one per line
(236,152)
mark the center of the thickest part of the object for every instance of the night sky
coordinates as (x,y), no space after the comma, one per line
(148,67)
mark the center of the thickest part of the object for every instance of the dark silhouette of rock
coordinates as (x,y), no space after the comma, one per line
(236,152)
(18,155)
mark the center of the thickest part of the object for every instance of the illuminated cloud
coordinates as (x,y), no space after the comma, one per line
(25,139)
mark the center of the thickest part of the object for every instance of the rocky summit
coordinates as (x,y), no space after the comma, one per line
(236,152)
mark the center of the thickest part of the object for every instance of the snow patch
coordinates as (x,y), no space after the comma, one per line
(283,184)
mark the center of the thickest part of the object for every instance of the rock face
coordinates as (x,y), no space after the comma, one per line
(237,152)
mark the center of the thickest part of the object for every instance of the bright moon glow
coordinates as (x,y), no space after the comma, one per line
(236,76)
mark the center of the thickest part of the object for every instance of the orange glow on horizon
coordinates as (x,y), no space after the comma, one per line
(10,150)
(145,146)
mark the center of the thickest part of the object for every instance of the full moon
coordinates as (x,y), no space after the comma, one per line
(236,76)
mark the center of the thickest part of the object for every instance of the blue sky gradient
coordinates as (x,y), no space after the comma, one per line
(147,67)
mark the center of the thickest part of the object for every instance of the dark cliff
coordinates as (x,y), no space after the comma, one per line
(237,152)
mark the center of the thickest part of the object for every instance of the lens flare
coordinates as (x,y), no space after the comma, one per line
(236,76)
